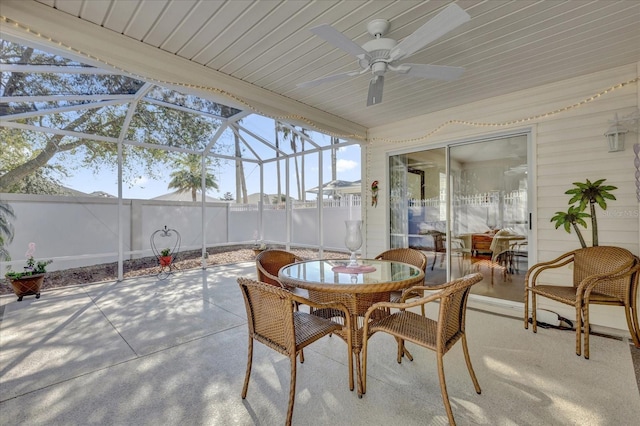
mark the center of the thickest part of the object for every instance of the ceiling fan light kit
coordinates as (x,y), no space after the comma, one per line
(381,54)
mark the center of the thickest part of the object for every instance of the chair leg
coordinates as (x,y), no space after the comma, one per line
(467,358)
(407,353)
(365,341)
(350,355)
(292,389)
(526,306)
(443,389)
(586,328)
(248,372)
(632,323)
(534,308)
(361,383)
(580,323)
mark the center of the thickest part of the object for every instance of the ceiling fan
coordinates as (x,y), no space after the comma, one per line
(382,54)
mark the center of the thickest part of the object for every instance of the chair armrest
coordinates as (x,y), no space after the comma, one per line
(531,277)
(403,305)
(445,290)
(418,290)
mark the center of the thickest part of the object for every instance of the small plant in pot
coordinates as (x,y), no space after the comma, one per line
(165,257)
(30,280)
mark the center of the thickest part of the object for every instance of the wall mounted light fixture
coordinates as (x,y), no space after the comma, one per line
(618,130)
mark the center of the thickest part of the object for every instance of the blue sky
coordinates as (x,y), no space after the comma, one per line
(348,168)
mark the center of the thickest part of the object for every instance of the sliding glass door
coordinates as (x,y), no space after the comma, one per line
(465,206)
(418,199)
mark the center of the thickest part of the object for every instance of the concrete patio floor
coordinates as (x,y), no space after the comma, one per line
(169,352)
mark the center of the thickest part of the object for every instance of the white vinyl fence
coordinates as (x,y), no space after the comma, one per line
(82,231)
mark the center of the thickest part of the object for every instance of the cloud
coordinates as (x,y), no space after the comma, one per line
(140,181)
(344,165)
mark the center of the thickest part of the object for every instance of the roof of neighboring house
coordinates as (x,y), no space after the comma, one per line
(339,187)
(267,198)
(183,196)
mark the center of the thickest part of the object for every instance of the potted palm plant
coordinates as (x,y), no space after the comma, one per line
(30,280)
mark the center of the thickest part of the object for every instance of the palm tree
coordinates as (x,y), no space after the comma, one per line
(6,228)
(188,178)
(573,216)
(591,193)
(241,182)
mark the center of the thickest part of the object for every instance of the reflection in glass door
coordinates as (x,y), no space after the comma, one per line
(489,214)
(418,206)
(485,227)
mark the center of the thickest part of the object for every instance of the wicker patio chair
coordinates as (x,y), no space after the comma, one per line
(437,335)
(407,255)
(273,321)
(602,275)
(269,262)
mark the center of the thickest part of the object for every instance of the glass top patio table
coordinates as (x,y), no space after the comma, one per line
(371,276)
(358,288)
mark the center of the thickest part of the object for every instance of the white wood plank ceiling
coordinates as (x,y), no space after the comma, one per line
(505,47)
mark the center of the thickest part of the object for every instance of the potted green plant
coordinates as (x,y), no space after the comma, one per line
(30,280)
(165,257)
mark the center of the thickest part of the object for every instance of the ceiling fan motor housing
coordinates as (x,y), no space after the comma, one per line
(378,57)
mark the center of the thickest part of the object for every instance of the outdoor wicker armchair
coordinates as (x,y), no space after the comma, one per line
(269,262)
(602,275)
(407,255)
(273,321)
(437,335)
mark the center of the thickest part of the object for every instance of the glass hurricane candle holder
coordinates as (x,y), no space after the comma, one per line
(353,239)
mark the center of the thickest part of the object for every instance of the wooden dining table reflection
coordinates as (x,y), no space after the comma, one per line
(358,288)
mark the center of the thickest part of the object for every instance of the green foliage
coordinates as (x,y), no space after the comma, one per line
(32,268)
(573,217)
(591,193)
(188,176)
(6,228)
(27,158)
(281,198)
(165,252)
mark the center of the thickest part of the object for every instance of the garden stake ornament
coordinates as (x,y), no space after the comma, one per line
(374,193)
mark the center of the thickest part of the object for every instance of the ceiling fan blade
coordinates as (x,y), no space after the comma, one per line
(375,90)
(339,40)
(451,17)
(438,72)
(327,79)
